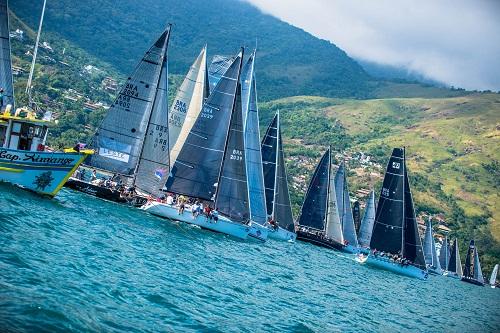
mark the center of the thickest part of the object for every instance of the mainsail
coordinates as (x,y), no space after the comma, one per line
(478,273)
(153,167)
(365,231)
(314,208)
(269,149)
(395,229)
(344,206)
(455,265)
(472,269)
(120,137)
(444,254)
(196,169)
(231,198)
(187,104)
(5,58)
(333,223)
(253,156)
(493,277)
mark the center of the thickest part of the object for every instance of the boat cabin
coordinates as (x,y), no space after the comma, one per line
(22,131)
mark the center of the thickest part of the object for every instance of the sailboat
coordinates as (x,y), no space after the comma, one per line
(395,241)
(187,104)
(493,277)
(211,164)
(431,258)
(366,228)
(454,265)
(24,159)
(472,269)
(444,255)
(345,210)
(278,204)
(132,140)
(319,220)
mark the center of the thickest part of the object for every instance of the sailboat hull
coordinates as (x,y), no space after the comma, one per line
(386,264)
(319,241)
(41,172)
(282,234)
(258,232)
(102,192)
(472,281)
(223,225)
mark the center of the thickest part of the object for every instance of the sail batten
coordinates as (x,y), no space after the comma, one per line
(196,170)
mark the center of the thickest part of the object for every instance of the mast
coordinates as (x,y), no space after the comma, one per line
(35,51)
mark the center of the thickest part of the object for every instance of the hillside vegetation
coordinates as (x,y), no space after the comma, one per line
(453,149)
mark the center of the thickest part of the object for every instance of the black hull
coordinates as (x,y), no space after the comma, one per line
(472,281)
(103,192)
(319,241)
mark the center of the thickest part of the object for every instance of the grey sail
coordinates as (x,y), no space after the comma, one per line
(412,249)
(493,277)
(282,206)
(231,199)
(344,205)
(428,243)
(436,264)
(5,58)
(444,254)
(333,223)
(478,273)
(197,167)
(366,228)
(314,208)
(187,104)
(119,139)
(269,148)
(253,156)
(218,67)
(153,167)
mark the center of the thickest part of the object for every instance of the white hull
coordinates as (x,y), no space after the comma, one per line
(223,225)
(41,172)
(281,234)
(409,270)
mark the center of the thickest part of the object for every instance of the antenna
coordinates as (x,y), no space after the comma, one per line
(35,51)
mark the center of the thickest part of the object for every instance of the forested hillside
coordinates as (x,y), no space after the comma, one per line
(290,61)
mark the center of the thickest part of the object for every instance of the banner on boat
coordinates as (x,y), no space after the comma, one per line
(115,155)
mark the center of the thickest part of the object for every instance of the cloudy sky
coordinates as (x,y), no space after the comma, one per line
(452,41)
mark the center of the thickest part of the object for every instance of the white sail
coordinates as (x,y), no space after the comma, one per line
(365,231)
(344,204)
(460,271)
(333,225)
(428,243)
(435,260)
(187,104)
(493,277)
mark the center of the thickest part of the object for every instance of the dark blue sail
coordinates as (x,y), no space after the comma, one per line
(387,233)
(217,68)
(314,208)
(269,161)
(196,170)
(232,192)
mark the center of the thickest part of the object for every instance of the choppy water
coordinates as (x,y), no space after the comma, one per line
(76,263)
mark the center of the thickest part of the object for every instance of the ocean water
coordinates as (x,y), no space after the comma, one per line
(76,263)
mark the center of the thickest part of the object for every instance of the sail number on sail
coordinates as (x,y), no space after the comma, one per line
(174,119)
(159,130)
(236,155)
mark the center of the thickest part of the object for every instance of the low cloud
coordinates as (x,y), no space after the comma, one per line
(456,42)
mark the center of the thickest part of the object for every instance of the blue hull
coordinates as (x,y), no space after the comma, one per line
(409,270)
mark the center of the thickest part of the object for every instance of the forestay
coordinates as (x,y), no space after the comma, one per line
(196,169)
(153,168)
(314,208)
(344,205)
(365,231)
(253,156)
(5,58)
(187,104)
(119,139)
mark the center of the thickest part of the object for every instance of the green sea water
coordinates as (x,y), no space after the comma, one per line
(76,263)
